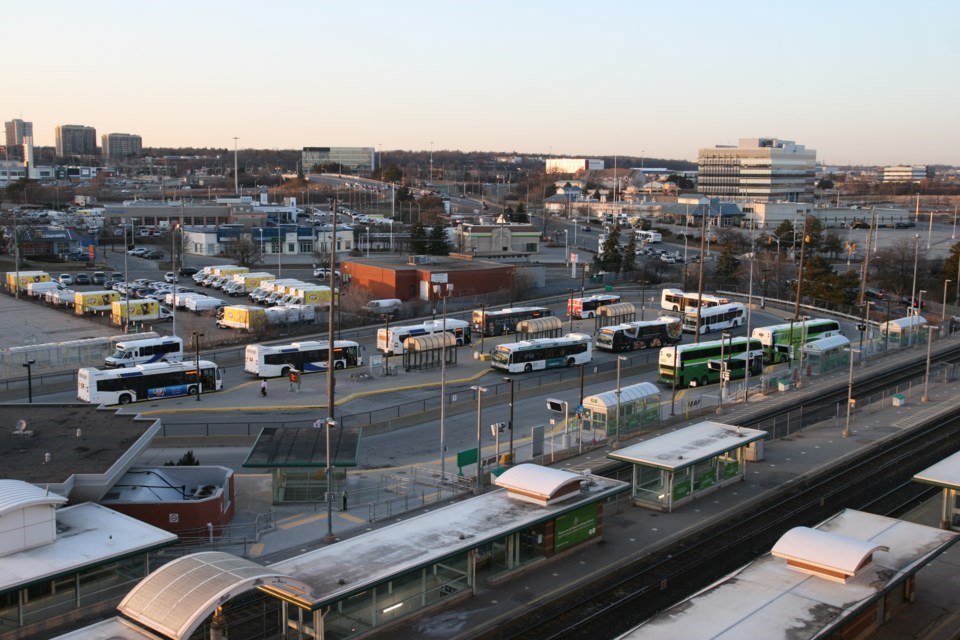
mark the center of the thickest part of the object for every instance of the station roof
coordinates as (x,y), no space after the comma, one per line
(304,447)
(834,556)
(900,324)
(16,494)
(688,446)
(430,341)
(115,628)
(632,393)
(945,473)
(768,599)
(826,344)
(354,565)
(535,325)
(538,483)
(88,535)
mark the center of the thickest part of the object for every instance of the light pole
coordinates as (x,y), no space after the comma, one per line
(329,423)
(387,343)
(443,291)
(478,488)
(176,279)
(846,428)
(510,420)
(616,437)
(431,163)
(673,398)
(196,346)
(236,168)
(926,377)
(126,279)
(29,366)
(913,289)
(943,313)
(723,364)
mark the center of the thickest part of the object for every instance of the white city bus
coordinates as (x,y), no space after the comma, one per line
(269,361)
(130,353)
(543,353)
(677,300)
(147,382)
(724,316)
(392,343)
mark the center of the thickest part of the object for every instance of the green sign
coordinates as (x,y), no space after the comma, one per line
(465,458)
(608,288)
(575,527)
(681,490)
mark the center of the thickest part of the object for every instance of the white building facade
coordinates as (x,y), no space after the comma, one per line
(758,169)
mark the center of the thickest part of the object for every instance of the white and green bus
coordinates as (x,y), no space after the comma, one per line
(690,364)
(543,353)
(781,340)
(718,318)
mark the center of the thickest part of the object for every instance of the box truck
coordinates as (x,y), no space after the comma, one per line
(140,311)
(40,289)
(22,279)
(94,301)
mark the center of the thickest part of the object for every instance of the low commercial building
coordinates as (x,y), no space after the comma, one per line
(410,279)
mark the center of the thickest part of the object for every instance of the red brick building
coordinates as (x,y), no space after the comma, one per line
(409,279)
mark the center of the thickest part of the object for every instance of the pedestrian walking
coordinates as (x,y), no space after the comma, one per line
(263,388)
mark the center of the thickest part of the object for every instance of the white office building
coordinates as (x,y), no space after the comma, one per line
(758,169)
(573,165)
(905,173)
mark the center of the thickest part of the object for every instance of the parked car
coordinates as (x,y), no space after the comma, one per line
(99,277)
(82,278)
(170,276)
(153,254)
(65,279)
(137,251)
(187,271)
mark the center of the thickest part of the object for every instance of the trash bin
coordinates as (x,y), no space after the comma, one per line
(783,385)
(899,399)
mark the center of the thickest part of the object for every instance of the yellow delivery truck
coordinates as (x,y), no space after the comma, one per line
(94,301)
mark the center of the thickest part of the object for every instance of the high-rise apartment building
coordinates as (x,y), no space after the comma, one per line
(758,169)
(76,140)
(121,145)
(17,130)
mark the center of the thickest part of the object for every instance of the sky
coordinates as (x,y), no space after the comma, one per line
(860,82)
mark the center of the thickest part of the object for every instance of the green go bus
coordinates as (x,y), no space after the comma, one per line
(690,364)
(780,340)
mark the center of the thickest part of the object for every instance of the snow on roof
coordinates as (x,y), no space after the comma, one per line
(355,564)
(632,393)
(831,555)
(945,473)
(87,535)
(825,344)
(17,494)
(767,599)
(541,484)
(688,446)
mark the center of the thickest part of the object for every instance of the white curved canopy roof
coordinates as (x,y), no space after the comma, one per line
(534,325)
(532,479)
(17,494)
(818,549)
(826,344)
(632,393)
(176,598)
(430,341)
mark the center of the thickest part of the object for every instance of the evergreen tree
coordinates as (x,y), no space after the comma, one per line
(628,263)
(520,215)
(728,267)
(418,240)
(609,258)
(439,244)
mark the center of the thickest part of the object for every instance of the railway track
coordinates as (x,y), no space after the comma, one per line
(878,480)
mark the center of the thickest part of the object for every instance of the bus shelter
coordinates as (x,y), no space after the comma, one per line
(675,468)
(425,352)
(902,332)
(946,475)
(639,407)
(549,327)
(826,354)
(616,313)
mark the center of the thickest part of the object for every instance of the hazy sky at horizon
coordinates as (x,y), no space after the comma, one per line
(859,82)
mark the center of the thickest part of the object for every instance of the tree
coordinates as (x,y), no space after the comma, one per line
(833,244)
(419,245)
(814,235)
(438,244)
(392,174)
(682,182)
(628,263)
(520,215)
(825,183)
(785,232)
(244,251)
(728,267)
(609,258)
(186,460)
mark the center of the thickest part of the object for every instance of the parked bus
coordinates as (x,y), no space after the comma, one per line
(392,343)
(781,340)
(724,316)
(579,308)
(651,334)
(147,382)
(651,237)
(677,300)
(500,322)
(543,353)
(694,368)
(130,353)
(270,361)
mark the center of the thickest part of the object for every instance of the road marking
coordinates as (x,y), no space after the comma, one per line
(354,519)
(296,523)
(256,549)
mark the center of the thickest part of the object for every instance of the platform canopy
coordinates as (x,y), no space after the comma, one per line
(430,341)
(628,395)
(685,447)
(304,447)
(826,344)
(945,473)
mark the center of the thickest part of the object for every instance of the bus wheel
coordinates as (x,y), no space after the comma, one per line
(125,399)
(704,381)
(571,362)
(338,365)
(284,372)
(527,368)
(191,390)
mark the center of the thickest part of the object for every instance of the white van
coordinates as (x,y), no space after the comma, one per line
(130,353)
(388,306)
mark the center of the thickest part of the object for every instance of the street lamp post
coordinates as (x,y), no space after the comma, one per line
(196,346)
(329,423)
(29,366)
(943,313)
(616,437)
(388,346)
(478,488)
(723,364)
(673,398)
(846,428)
(443,291)
(926,377)
(510,420)
(913,289)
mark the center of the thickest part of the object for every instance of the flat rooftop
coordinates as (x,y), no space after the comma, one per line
(87,535)
(354,564)
(768,599)
(687,446)
(104,438)
(945,473)
(438,264)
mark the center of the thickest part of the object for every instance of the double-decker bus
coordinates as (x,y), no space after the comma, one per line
(677,300)
(724,316)
(133,352)
(579,308)
(690,364)
(499,322)
(268,361)
(650,334)
(543,353)
(781,340)
(391,342)
(147,382)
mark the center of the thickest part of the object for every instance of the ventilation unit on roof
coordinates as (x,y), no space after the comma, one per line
(21,431)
